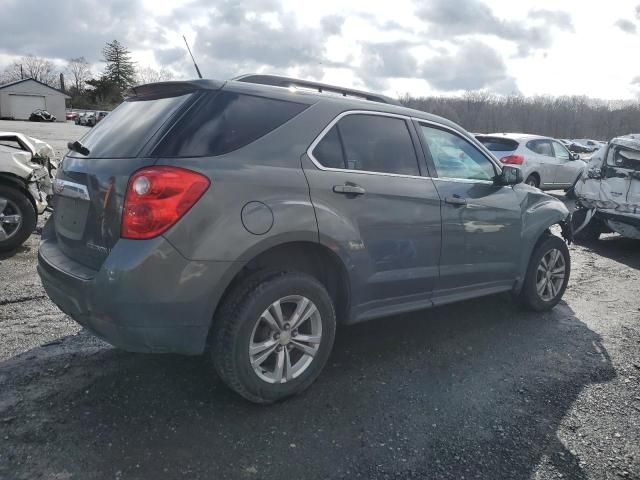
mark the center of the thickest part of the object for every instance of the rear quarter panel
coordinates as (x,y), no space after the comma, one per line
(267,171)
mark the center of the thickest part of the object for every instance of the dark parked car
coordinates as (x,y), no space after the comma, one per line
(247,218)
(95,117)
(577,147)
(40,115)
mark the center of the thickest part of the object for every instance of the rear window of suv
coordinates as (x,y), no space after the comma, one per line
(125,131)
(497,144)
(221,122)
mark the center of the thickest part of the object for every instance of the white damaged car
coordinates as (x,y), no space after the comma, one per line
(608,193)
(26,174)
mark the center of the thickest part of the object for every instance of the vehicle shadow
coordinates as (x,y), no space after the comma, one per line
(8,254)
(477,389)
(618,248)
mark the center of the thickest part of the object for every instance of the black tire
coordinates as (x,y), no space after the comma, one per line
(591,232)
(529,295)
(27,213)
(234,325)
(570,193)
(533,181)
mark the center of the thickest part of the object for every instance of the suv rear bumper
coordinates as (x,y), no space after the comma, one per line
(145,298)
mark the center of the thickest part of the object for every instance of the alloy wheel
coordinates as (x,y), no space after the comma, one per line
(10,219)
(550,274)
(285,339)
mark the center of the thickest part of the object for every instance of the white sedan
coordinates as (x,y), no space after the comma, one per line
(545,162)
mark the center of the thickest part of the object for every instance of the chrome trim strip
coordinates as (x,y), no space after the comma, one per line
(326,129)
(69,189)
(366,172)
(463,180)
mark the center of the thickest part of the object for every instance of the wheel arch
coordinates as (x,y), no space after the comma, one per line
(534,173)
(537,222)
(304,256)
(20,184)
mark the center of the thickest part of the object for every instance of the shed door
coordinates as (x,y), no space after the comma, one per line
(21,106)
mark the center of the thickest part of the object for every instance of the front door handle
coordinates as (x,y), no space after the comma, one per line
(349,189)
(455,200)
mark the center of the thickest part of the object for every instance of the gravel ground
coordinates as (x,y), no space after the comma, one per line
(480,389)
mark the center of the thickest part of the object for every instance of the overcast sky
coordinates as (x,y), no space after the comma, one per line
(557,47)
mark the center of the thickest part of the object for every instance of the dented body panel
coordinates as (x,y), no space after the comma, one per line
(539,212)
(611,186)
(28,162)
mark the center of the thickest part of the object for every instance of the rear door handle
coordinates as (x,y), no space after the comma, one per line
(455,200)
(349,189)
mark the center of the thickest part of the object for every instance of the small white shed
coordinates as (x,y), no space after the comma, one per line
(18,99)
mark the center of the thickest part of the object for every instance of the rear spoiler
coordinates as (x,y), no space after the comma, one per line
(171,89)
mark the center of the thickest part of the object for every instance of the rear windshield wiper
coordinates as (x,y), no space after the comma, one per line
(78,147)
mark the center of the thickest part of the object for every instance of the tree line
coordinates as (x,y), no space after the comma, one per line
(87,90)
(477,111)
(558,117)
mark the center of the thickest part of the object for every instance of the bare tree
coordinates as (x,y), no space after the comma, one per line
(151,75)
(34,67)
(79,72)
(559,117)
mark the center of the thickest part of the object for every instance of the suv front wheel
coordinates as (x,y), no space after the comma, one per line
(547,274)
(273,335)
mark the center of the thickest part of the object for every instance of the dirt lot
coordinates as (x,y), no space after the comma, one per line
(475,390)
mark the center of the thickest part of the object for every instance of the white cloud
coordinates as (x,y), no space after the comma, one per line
(558,47)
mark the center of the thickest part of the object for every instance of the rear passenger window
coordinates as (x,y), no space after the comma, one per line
(371,143)
(329,150)
(541,147)
(221,122)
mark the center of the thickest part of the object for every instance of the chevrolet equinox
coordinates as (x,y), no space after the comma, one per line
(246,219)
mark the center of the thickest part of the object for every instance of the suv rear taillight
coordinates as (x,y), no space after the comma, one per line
(157,197)
(513,160)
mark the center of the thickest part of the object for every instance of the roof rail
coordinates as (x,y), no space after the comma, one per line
(287,82)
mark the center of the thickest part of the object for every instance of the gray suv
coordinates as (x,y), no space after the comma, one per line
(246,219)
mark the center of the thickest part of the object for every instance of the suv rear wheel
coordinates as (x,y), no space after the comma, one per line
(547,274)
(533,181)
(17,218)
(273,335)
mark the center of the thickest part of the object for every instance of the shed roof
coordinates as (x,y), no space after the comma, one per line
(10,84)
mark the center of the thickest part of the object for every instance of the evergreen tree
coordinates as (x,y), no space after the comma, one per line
(120,69)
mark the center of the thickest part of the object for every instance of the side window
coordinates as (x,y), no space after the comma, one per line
(222,122)
(561,152)
(541,147)
(455,157)
(329,151)
(371,143)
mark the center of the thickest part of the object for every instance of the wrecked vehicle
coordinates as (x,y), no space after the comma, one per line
(40,115)
(26,171)
(608,193)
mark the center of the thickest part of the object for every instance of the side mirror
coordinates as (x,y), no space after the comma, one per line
(575,156)
(509,176)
